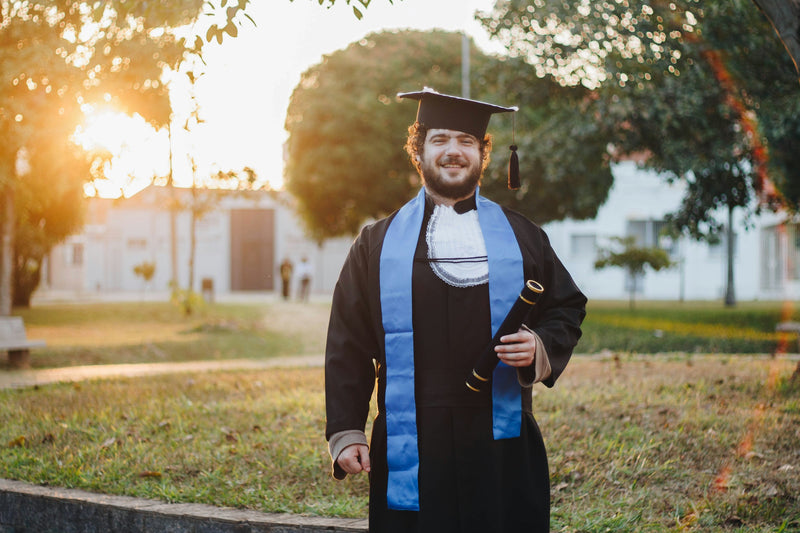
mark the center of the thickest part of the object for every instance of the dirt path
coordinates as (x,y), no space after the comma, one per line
(29,378)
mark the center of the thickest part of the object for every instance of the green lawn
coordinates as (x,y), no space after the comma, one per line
(691,327)
(151,332)
(105,333)
(669,424)
(708,444)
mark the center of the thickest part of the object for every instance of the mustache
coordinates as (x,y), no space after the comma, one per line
(453,160)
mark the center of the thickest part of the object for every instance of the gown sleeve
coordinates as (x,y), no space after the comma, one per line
(352,345)
(557,316)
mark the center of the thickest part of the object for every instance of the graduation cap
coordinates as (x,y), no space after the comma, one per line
(443,111)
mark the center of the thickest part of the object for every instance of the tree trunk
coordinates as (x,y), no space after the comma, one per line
(730,291)
(25,280)
(193,237)
(7,229)
(631,302)
(173,231)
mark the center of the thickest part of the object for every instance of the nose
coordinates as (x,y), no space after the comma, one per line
(452,147)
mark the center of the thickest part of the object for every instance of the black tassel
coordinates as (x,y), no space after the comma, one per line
(513,169)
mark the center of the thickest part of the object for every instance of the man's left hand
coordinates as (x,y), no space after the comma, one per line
(517,349)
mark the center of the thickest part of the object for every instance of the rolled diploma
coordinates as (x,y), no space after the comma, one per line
(487,361)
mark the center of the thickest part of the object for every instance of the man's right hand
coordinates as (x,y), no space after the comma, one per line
(354,459)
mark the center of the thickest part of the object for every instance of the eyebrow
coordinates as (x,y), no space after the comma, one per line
(460,135)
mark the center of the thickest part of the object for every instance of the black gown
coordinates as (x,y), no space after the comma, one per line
(468,482)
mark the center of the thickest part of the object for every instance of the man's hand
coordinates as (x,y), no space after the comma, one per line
(354,459)
(517,349)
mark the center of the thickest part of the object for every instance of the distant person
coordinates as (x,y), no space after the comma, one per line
(286,269)
(304,274)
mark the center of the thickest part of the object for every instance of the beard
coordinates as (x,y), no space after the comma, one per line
(454,190)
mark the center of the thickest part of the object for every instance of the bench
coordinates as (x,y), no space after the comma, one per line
(14,340)
(789,327)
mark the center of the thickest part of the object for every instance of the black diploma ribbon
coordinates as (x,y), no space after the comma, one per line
(487,361)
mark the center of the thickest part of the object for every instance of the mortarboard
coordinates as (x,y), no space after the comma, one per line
(443,111)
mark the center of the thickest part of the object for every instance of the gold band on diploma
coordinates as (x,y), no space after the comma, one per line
(471,387)
(534,286)
(477,376)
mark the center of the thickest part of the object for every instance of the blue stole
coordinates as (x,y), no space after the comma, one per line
(506,279)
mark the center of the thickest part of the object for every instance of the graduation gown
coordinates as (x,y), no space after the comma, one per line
(468,481)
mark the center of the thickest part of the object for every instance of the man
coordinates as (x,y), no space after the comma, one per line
(418,299)
(286,277)
(304,273)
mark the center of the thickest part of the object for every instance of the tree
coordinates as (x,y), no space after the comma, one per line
(145,270)
(345,158)
(347,131)
(784,15)
(563,151)
(634,259)
(678,84)
(50,205)
(54,58)
(358,5)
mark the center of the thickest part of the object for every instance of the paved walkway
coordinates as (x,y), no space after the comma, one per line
(31,377)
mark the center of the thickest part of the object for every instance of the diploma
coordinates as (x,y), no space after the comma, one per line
(487,361)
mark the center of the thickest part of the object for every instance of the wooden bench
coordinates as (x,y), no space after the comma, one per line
(14,340)
(790,327)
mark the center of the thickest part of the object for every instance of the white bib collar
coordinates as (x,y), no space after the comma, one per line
(456,249)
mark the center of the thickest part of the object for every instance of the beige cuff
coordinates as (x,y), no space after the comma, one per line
(338,442)
(541,364)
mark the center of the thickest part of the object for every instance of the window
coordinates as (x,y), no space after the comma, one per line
(137,244)
(652,234)
(771,275)
(583,245)
(76,255)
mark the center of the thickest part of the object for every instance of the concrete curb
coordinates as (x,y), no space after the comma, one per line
(32,508)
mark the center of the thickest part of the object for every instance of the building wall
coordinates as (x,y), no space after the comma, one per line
(641,199)
(122,234)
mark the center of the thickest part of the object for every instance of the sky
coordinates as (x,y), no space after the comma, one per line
(249,79)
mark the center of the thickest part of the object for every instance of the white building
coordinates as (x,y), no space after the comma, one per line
(241,242)
(766,255)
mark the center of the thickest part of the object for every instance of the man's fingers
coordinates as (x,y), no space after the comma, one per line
(364,456)
(354,459)
(517,349)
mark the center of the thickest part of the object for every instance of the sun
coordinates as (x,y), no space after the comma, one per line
(139,153)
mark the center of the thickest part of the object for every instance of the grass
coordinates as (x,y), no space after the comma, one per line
(691,327)
(683,441)
(106,333)
(637,444)
(146,332)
